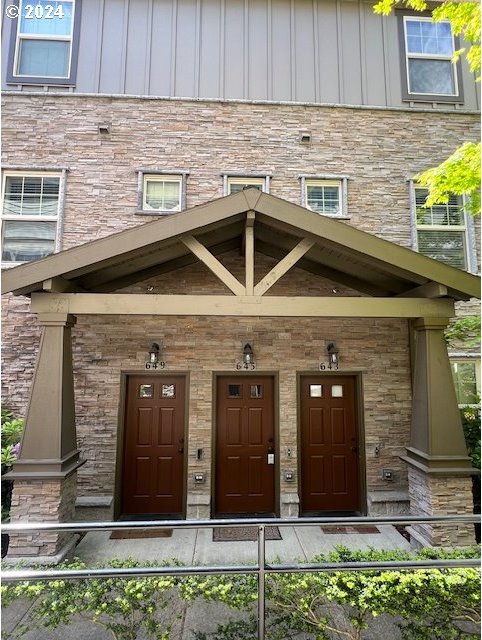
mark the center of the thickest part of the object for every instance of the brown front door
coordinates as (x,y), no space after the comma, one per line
(245,448)
(329,447)
(153,472)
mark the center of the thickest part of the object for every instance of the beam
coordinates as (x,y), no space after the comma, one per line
(159,269)
(61,285)
(318,269)
(214,265)
(249,252)
(276,306)
(283,266)
(427,290)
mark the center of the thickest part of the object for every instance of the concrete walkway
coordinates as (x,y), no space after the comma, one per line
(196,547)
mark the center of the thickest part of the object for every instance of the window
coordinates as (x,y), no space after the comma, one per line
(162,193)
(442,230)
(467,380)
(44,46)
(324,195)
(429,70)
(30,215)
(233,184)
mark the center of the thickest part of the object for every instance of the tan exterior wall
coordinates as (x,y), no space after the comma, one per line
(104,347)
(378,150)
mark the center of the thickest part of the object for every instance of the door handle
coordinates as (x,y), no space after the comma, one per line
(180,449)
(354,449)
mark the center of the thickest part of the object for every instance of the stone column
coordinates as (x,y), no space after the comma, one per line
(439,467)
(45,473)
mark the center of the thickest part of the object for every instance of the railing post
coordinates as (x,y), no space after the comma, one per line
(261,580)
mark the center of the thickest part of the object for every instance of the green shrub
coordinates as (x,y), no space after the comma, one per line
(435,604)
(11,431)
(122,605)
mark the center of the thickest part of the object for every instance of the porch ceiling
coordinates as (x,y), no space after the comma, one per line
(346,255)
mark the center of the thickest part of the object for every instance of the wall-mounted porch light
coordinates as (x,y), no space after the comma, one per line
(332,351)
(248,358)
(154,357)
(248,355)
(333,357)
(154,353)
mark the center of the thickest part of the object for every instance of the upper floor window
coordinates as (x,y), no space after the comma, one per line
(324,195)
(161,192)
(442,230)
(430,72)
(30,215)
(235,184)
(44,45)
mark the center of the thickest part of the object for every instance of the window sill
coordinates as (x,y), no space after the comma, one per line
(435,99)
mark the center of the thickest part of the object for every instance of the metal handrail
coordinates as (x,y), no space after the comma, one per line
(261,569)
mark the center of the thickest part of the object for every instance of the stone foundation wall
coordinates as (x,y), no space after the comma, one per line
(42,501)
(432,495)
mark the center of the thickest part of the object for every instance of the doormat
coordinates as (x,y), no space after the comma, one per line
(350,530)
(141,533)
(242,534)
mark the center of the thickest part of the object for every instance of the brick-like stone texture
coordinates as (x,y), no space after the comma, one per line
(42,501)
(434,495)
(104,347)
(378,150)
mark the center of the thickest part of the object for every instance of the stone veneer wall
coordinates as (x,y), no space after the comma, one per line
(42,501)
(432,495)
(104,347)
(377,149)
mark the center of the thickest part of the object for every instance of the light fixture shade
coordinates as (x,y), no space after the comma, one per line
(248,355)
(333,352)
(154,353)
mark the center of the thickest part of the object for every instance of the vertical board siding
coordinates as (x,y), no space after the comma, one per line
(160,63)
(138,47)
(328,51)
(281,49)
(234,56)
(113,46)
(350,45)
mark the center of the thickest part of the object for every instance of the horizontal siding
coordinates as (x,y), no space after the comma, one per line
(327,51)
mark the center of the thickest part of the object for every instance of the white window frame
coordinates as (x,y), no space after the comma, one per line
(443,228)
(475,360)
(5,217)
(160,175)
(330,181)
(20,36)
(429,56)
(258,180)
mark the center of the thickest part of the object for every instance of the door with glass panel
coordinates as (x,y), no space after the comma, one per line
(245,448)
(329,463)
(153,472)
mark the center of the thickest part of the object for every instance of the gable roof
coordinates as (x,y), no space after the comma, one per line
(344,254)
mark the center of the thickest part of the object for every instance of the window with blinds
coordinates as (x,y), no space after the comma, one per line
(30,212)
(442,230)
